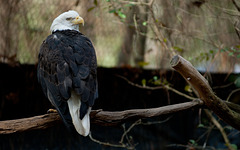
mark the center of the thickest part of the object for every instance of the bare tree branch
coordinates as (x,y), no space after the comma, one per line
(157,88)
(235,4)
(200,84)
(105,118)
(236,24)
(231,105)
(32,123)
(107,143)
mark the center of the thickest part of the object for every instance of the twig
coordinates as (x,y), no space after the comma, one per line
(235,4)
(136,3)
(157,88)
(220,128)
(129,129)
(156,122)
(237,30)
(156,30)
(223,86)
(106,143)
(232,92)
(189,146)
(139,122)
(230,12)
(207,133)
(122,144)
(231,105)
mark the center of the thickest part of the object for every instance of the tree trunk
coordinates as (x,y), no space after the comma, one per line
(133,46)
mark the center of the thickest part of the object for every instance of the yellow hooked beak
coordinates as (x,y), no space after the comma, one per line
(78,20)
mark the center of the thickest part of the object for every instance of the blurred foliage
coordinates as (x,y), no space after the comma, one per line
(237,82)
(188,88)
(234,146)
(204,32)
(155,81)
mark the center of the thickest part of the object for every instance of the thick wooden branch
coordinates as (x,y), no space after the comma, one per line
(200,84)
(108,118)
(32,123)
(105,118)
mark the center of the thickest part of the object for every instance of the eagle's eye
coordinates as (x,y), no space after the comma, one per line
(68,19)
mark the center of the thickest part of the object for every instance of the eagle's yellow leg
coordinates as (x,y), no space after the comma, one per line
(52,111)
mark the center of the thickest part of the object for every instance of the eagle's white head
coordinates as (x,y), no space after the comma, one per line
(69,20)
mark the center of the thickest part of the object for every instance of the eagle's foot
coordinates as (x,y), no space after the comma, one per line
(51,111)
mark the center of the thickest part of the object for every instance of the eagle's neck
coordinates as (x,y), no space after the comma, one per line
(61,27)
(67,32)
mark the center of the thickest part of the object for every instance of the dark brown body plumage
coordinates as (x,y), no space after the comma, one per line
(67,62)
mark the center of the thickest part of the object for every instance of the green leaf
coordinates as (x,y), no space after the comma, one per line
(206,56)
(237,82)
(155,77)
(234,146)
(144,23)
(157,82)
(230,54)
(229,127)
(223,50)
(164,40)
(144,82)
(121,15)
(238,56)
(200,125)
(193,142)
(90,9)
(95,2)
(165,82)
(112,11)
(143,63)
(233,49)
(128,5)
(178,49)
(188,88)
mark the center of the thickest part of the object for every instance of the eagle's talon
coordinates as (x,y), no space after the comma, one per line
(52,111)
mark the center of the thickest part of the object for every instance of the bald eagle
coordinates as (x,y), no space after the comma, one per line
(67,71)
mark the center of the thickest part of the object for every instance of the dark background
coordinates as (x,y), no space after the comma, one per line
(21,96)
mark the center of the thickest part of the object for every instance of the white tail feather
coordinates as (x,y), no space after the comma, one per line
(82,126)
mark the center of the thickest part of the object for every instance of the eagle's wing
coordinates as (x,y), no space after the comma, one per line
(67,63)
